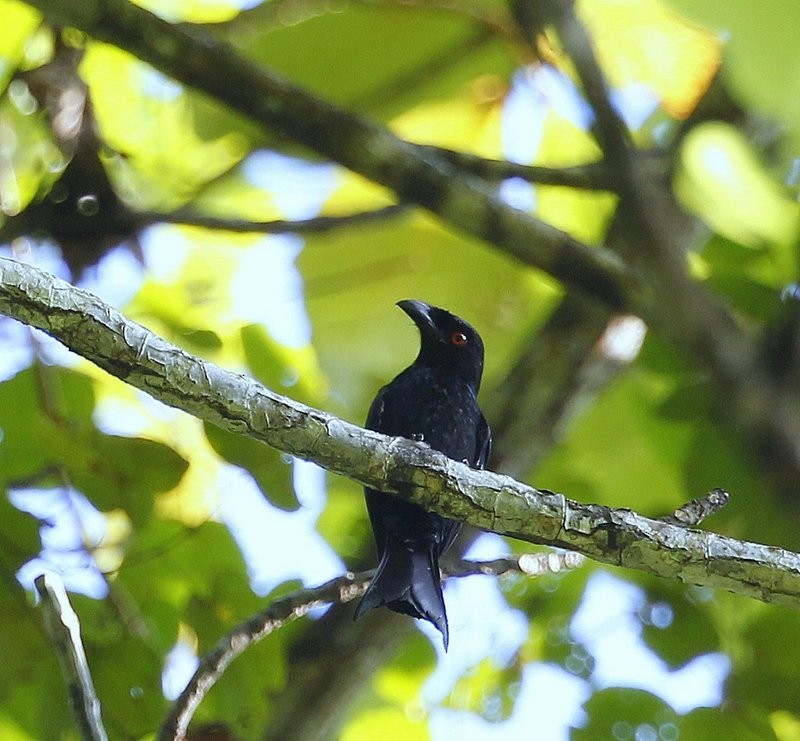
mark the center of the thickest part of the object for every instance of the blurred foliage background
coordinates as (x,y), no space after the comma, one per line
(109,175)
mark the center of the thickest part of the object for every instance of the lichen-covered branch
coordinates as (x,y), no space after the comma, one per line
(483,499)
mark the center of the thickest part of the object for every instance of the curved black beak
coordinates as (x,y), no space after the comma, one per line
(420,313)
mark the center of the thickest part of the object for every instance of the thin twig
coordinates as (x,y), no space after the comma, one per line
(694,512)
(316,225)
(63,628)
(343,588)
(589,176)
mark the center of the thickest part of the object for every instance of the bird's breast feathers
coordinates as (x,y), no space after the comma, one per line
(421,406)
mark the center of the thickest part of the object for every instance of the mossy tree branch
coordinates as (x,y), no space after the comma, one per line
(483,499)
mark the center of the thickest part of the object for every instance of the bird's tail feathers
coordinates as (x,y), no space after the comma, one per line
(408,581)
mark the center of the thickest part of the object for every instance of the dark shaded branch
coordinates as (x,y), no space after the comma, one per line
(316,225)
(202,62)
(63,630)
(591,176)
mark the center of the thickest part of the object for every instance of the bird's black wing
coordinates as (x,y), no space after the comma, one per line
(483,447)
(483,443)
(374,422)
(375,413)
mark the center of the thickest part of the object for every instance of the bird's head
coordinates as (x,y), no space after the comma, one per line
(447,341)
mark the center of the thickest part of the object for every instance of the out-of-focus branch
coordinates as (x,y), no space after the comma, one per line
(591,176)
(315,225)
(341,589)
(201,61)
(64,631)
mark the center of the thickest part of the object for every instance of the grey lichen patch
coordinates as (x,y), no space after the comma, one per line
(527,513)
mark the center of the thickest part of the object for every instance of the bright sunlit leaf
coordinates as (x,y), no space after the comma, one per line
(762,55)
(722,180)
(149,121)
(471,122)
(387,724)
(19,22)
(194,11)
(642,41)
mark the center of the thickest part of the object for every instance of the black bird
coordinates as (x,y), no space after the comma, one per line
(432,401)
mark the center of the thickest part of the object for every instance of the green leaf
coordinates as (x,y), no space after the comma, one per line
(271,469)
(722,181)
(712,724)
(648,476)
(386,58)
(167,565)
(32,694)
(487,690)
(127,678)
(764,675)
(387,724)
(122,472)
(677,627)
(24,451)
(716,458)
(289,370)
(19,535)
(619,712)
(760,47)
(113,472)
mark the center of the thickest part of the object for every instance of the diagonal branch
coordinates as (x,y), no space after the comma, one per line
(314,225)
(416,176)
(342,589)
(589,176)
(64,631)
(483,499)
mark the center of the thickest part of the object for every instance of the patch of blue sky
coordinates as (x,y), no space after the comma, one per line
(71,525)
(116,279)
(635,103)
(548,703)
(299,188)
(267,289)
(607,624)
(278,546)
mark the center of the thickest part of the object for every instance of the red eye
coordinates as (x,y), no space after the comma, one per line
(459,338)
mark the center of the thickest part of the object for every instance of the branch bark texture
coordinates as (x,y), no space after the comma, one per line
(697,322)
(483,499)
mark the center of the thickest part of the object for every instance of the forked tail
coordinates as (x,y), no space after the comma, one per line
(408,581)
